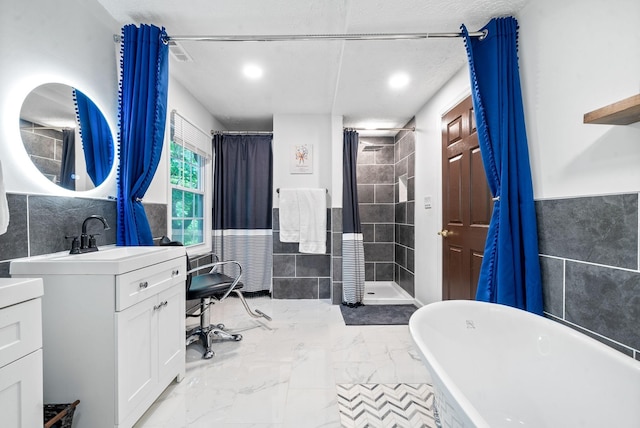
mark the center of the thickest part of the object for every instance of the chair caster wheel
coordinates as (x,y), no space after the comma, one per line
(208,355)
(237,337)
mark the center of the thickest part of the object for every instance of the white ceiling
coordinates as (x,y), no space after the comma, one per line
(348,78)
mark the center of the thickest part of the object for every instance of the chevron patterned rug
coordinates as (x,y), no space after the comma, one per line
(386,405)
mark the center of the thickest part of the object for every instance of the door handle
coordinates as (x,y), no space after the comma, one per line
(444,233)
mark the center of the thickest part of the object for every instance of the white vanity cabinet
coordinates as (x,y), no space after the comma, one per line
(20,353)
(114,329)
(150,345)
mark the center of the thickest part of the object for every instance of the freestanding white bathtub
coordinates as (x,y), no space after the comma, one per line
(496,366)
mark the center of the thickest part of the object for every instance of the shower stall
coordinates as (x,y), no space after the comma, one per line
(385,175)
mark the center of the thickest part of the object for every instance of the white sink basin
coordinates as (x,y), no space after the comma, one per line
(109,260)
(112,253)
(17,290)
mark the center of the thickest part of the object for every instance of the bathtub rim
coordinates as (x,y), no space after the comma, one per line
(438,373)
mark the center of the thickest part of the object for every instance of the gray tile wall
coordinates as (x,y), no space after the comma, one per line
(297,275)
(405,148)
(387,224)
(336,255)
(376,199)
(44,147)
(589,262)
(39,224)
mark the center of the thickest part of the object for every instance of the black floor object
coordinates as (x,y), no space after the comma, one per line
(377,314)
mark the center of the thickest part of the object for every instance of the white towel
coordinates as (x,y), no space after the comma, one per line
(4,206)
(313,220)
(289,216)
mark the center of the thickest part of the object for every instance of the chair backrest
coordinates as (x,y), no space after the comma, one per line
(188,280)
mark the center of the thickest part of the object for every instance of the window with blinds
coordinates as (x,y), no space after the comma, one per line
(190,150)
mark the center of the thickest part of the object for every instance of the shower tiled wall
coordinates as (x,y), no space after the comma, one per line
(297,275)
(38,224)
(44,147)
(376,200)
(405,148)
(336,255)
(590,269)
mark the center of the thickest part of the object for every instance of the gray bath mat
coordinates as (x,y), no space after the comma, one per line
(377,314)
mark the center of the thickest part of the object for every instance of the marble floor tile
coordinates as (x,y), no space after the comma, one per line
(283,373)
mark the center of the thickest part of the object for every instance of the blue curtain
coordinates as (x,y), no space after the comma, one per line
(352,239)
(510,272)
(143,107)
(97,143)
(242,206)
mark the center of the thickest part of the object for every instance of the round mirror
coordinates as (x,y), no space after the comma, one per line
(66,136)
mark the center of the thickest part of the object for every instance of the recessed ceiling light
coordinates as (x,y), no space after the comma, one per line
(252,71)
(399,80)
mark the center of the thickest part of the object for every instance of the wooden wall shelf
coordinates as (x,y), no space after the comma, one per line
(624,112)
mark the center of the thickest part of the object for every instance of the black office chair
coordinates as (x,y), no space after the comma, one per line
(208,285)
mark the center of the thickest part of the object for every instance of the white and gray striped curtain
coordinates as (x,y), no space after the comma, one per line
(242,204)
(352,242)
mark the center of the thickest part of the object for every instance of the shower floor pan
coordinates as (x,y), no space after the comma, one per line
(385,293)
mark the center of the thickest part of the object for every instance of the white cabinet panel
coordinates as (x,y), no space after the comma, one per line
(171,343)
(137,355)
(108,341)
(21,392)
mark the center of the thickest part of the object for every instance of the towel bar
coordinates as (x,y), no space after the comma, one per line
(278,190)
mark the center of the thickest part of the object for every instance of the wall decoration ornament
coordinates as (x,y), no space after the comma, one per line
(301,159)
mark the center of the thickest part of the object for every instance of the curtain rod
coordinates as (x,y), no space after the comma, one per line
(380,129)
(214,132)
(311,37)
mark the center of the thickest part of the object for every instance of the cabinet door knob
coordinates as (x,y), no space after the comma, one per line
(160,305)
(175,272)
(144,284)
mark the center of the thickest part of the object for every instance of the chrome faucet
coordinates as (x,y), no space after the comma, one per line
(87,242)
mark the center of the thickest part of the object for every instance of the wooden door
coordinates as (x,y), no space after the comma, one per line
(466,205)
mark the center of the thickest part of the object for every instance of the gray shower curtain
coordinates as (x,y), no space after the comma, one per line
(352,242)
(242,203)
(68,164)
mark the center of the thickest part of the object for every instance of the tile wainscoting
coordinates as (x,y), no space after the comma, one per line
(590,271)
(404,252)
(38,224)
(297,275)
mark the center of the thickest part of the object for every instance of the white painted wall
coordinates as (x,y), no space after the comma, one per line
(63,41)
(575,56)
(293,129)
(337,160)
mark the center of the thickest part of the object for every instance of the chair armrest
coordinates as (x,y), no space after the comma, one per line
(214,266)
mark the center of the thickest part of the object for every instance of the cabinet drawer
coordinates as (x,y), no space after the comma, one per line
(20,330)
(136,286)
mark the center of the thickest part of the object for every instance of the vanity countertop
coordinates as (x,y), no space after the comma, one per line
(17,290)
(109,260)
